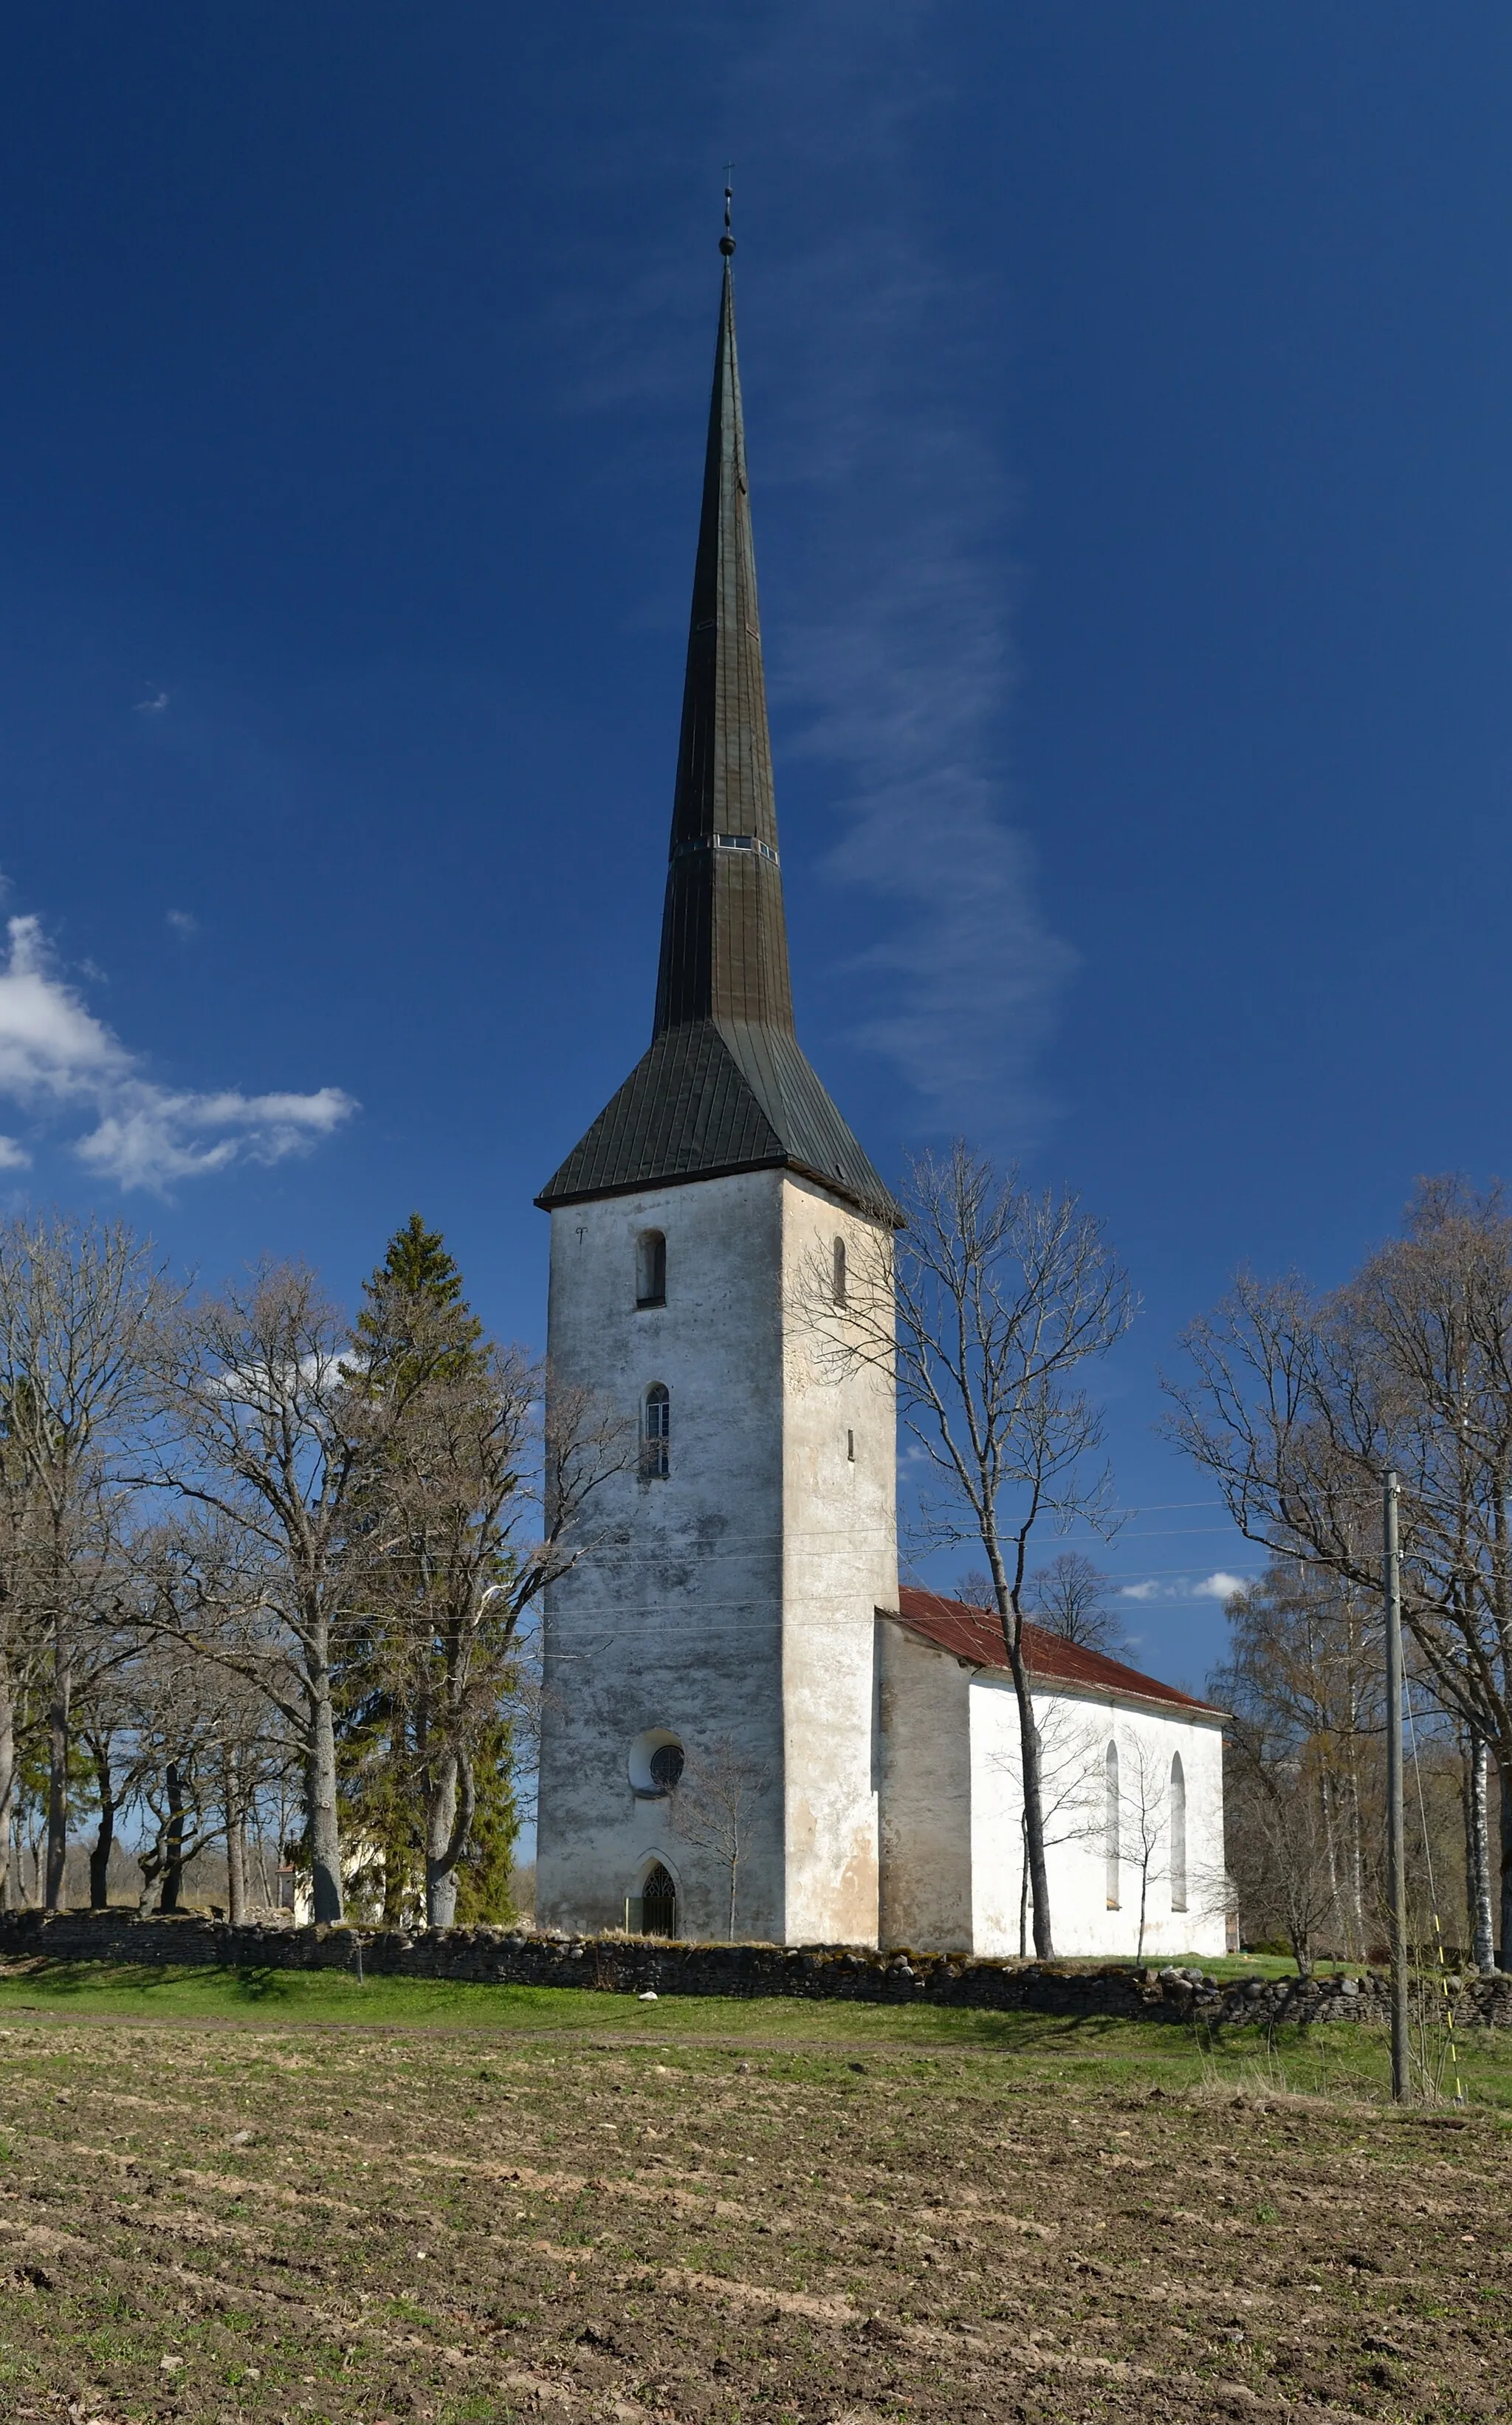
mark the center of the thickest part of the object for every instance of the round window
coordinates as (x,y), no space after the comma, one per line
(666,1765)
(656,1763)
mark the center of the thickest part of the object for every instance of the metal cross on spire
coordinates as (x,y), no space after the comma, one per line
(727,242)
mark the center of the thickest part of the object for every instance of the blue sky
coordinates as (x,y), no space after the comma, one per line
(1128,402)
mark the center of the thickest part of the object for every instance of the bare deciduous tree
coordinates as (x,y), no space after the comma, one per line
(1071,1774)
(271,1440)
(1068,1598)
(1144,1834)
(478,1507)
(714,1804)
(995,1301)
(1300,1404)
(79,1305)
(1304,1681)
(1478,1758)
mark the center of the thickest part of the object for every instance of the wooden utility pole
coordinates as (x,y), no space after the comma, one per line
(1396,1821)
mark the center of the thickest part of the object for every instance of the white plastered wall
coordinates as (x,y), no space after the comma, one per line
(1075,1732)
(839,1566)
(925,1770)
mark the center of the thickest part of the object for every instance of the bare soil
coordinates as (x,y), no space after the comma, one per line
(366,2224)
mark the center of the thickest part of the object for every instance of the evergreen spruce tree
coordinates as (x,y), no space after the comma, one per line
(427,1769)
(483,1883)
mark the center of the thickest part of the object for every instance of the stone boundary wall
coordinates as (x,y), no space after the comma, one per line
(633,1965)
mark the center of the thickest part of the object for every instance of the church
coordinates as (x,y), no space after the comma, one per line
(747,1729)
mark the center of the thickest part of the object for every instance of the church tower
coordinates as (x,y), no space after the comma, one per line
(722,1632)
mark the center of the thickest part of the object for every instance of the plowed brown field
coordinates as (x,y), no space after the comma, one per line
(293,2222)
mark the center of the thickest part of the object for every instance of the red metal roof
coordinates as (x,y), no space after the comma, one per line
(975,1633)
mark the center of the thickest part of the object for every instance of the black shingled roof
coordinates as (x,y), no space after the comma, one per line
(713,1097)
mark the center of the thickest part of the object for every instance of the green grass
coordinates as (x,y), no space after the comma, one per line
(1348,2058)
(162,1991)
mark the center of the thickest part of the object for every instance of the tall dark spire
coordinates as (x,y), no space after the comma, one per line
(724,938)
(724,1085)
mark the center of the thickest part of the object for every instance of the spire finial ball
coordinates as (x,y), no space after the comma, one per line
(727,246)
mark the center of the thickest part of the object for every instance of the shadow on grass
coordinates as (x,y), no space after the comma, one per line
(94,1980)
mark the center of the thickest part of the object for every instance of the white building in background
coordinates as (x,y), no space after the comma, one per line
(1132,1788)
(733,1660)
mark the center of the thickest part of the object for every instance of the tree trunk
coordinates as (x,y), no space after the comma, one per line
(173,1840)
(235,1841)
(8,1779)
(440,1819)
(320,1799)
(451,1805)
(100,1850)
(1505,1772)
(1331,1842)
(395,1878)
(1354,1928)
(57,1751)
(1009,1618)
(1478,1855)
(1024,1888)
(1034,1807)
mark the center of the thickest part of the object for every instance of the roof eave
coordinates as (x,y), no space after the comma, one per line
(551,1199)
(1084,1688)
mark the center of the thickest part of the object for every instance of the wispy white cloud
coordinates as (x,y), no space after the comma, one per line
(901,672)
(183,921)
(1220,1586)
(56,1056)
(899,663)
(154,704)
(874,392)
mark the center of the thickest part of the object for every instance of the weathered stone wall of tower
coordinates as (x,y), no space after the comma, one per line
(672,1621)
(733,1601)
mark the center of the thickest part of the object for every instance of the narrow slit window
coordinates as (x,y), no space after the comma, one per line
(850,1446)
(1178,1834)
(657,1433)
(1110,1824)
(840,1270)
(650,1268)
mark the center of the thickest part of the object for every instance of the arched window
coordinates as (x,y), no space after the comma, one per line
(657,1433)
(658,1903)
(1178,1834)
(839,1272)
(650,1268)
(1110,1824)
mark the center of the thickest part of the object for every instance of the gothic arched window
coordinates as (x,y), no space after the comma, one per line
(657,1433)
(650,1268)
(839,1272)
(1178,1834)
(658,1903)
(1110,1824)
